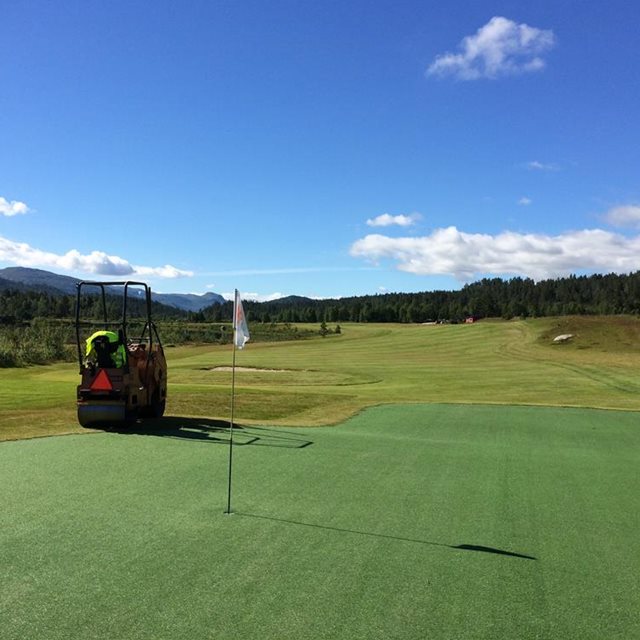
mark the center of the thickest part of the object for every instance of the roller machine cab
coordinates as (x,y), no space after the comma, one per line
(122,365)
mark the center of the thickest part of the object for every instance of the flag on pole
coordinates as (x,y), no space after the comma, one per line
(241,330)
(240,337)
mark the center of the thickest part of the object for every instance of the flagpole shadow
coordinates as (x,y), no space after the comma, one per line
(457,547)
(215,432)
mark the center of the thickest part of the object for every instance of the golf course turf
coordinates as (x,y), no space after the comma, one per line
(407,521)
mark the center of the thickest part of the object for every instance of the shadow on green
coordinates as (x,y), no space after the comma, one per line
(214,431)
(461,547)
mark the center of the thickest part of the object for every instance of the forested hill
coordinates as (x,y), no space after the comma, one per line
(522,297)
(28,279)
(18,306)
(516,297)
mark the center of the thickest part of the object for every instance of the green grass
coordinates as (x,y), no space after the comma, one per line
(422,521)
(324,381)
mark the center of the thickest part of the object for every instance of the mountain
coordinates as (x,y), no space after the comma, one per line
(26,279)
(39,280)
(188,301)
(7,284)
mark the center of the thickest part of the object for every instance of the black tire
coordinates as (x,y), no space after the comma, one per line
(155,409)
(158,408)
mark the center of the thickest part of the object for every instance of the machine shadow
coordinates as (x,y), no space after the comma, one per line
(215,432)
(457,547)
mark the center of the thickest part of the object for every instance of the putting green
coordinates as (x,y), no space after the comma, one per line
(421,521)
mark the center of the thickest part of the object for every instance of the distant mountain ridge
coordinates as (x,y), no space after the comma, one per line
(27,279)
(189,301)
(38,280)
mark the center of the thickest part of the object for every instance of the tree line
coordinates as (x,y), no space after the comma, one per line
(490,297)
(487,298)
(18,307)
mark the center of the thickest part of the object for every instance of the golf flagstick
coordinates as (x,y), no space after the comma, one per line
(240,337)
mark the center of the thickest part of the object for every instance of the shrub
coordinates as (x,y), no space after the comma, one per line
(39,343)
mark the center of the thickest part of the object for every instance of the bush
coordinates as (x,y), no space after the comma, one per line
(40,343)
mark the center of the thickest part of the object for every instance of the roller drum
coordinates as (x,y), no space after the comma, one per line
(112,414)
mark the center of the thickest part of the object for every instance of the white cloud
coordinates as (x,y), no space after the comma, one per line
(386,220)
(12,208)
(534,165)
(524,201)
(467,256)
(96,262)
(255,297)
(624,216)
(499,48)
(167,271)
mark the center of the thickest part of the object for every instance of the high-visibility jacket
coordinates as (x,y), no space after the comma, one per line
(119,356)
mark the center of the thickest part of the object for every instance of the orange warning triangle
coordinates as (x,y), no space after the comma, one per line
(101,382)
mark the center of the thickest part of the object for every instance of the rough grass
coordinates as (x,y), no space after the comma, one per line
(324,381)
(618,334)
(435,521)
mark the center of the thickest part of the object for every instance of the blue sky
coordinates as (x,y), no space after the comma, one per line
(319,148)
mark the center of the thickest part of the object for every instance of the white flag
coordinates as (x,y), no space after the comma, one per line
(241,330)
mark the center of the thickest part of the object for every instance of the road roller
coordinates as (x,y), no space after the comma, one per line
(123,369)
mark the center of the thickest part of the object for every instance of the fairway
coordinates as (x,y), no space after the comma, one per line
(421,521)
(317,382)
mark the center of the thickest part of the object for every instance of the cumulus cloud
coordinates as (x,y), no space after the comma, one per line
(96,262)
(12,208)
(524,201)
(499,48)
(624,216)
(467,256)
(387,220)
